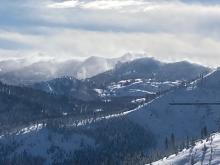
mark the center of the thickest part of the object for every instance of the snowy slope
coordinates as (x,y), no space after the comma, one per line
(163,119)
(204,152)
(38,140)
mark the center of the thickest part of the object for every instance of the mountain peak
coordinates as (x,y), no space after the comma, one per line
(131,56)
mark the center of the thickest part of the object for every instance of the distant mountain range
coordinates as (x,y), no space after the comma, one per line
(19,72)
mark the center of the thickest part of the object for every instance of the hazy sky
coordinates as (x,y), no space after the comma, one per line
(165,29)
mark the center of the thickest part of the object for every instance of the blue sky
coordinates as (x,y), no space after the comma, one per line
(166,29)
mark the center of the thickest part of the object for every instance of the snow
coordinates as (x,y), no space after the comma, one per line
(25,130)
(107,100)
(64,113)
(204,152)
(163,119)
(124,81)
(49,87)
(138,100)
(100,92)
(38,140)
(138,87)
(130,111)
(35,127)
(98,110)
(141,91)
(88,121)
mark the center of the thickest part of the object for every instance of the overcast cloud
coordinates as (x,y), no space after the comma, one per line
(166,29)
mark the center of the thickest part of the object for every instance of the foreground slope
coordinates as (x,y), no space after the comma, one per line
(204,152)
(110,141)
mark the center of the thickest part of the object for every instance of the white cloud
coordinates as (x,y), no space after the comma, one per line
(65,4)
(102,4)
(166,46)
(119,5)
(165,29)
(139,16)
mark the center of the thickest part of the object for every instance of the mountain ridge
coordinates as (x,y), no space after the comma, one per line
(18,72)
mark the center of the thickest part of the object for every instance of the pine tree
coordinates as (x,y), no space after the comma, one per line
(187,142)
(205,131)
(166,144)
(192,160)
(192,142)
(173,141)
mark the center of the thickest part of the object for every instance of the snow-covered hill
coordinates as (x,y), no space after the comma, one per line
(183,112)
(205,152)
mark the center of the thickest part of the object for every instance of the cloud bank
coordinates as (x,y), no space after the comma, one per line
(168,30)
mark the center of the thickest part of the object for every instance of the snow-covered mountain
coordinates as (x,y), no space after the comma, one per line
(203,152)
(146,76)
(150,68)
(19,72)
